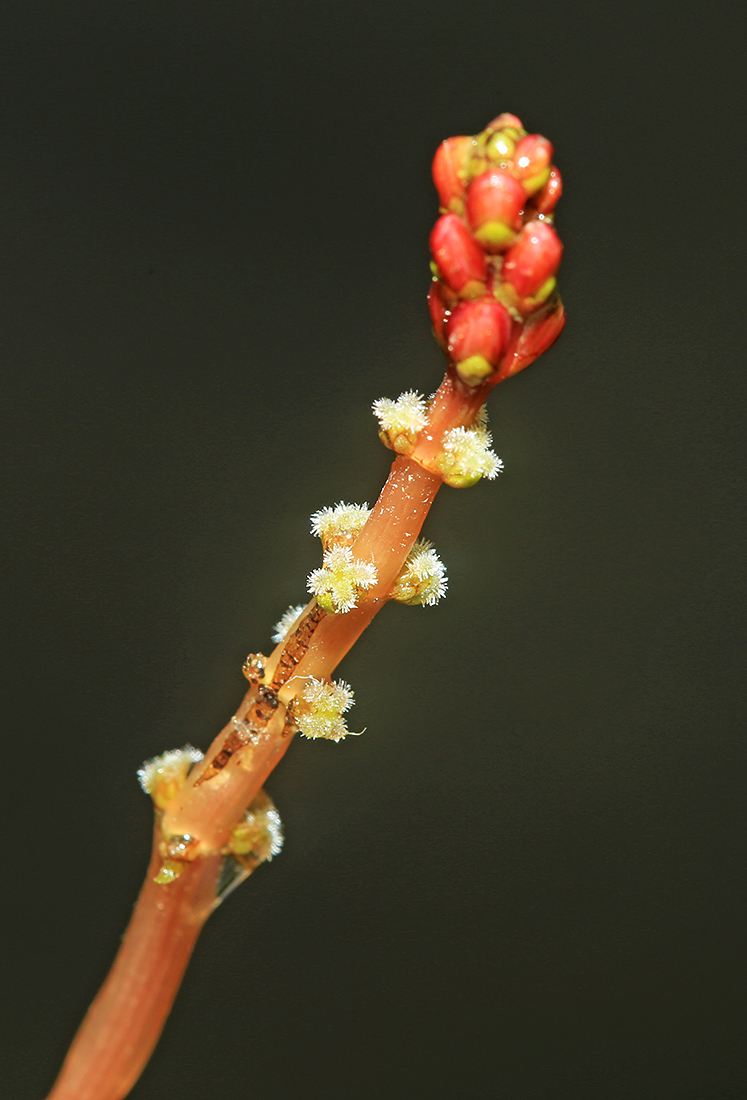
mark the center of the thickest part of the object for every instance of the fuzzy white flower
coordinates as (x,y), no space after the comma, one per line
(285,622)
(341,579)
(422,579)
(400,421)
(274,832)
(162,776)
(466,455)
(259,834)
(319,709)
(339,525)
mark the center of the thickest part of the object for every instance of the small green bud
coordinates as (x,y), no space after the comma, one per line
(495,235)
(536,183)
(170,871)
(545,290)
(461,481)
(500,146)
(476,166)
(473,289)
(474,370)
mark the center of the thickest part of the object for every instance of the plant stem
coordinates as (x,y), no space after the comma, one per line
(123,1024)
(125,1020)
(387,538)
(493,312)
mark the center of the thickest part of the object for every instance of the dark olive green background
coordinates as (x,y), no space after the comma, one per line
(526,879)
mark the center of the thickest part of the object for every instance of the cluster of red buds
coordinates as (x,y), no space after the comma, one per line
(493,301)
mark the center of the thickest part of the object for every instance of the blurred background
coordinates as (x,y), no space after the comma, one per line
(526,879)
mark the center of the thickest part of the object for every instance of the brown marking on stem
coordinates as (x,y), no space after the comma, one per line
(291,726)
(296,646)
(247,731)
(231,745)
(262,709)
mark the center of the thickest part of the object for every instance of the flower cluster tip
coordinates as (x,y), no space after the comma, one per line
(495,251)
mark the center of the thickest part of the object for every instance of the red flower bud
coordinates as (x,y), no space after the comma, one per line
(458,256)
(495,201)
(533,260)
(450,169)
(538,333)
(532,161)
(506,121)
(546,199)
(493,302)
(439,312)
(477,334)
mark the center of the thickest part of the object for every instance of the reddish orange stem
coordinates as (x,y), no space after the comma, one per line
(123,1024)
(394,525)
(387,538)
(125,1020)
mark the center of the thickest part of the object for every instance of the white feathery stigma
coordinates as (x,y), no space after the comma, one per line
(339,524)
(162,776)
(400,421)
(319,708)
(285,622)
(422,579)
(275,835)
(341,579)
(260,831)
(467,455)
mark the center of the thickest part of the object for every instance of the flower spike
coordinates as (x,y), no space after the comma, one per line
(494,308)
